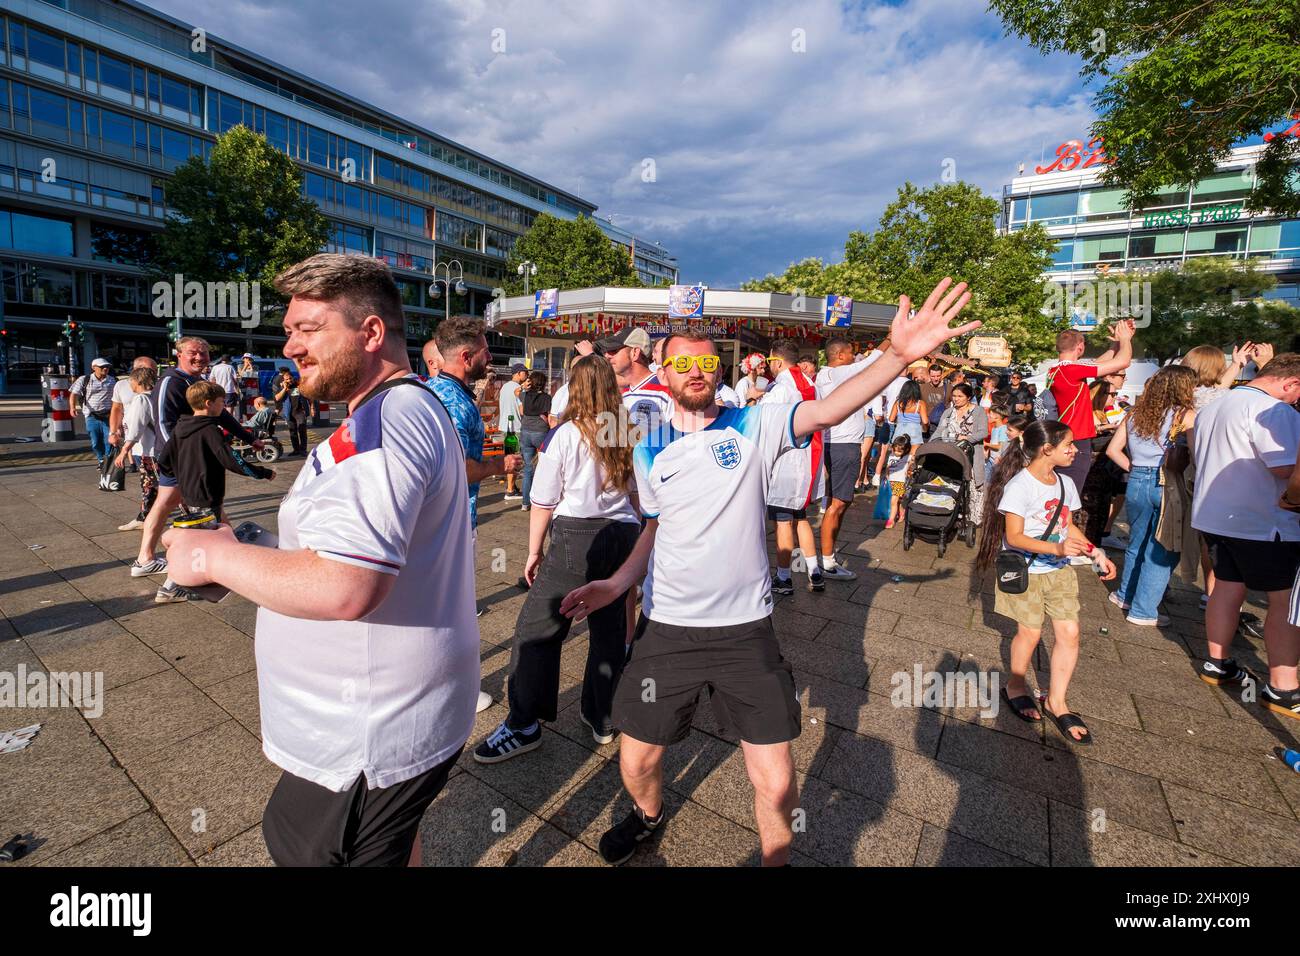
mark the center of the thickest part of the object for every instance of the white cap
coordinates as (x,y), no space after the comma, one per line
(101,361)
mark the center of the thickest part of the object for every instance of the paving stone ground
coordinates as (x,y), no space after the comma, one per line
(171,773)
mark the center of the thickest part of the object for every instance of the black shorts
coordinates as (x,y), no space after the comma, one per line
(1260,565)
(843,460)
(884,432)
(751,687)
(305,824)
(781,513)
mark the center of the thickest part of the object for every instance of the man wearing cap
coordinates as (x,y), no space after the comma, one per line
(649,401)
(94,392)
(508,416)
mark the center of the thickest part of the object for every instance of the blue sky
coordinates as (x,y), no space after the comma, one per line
(762,154)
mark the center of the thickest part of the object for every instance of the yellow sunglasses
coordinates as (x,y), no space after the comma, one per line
(682,363)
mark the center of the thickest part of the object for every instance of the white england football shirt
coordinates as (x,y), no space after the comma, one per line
(393,694)
(854,428)
(707,488)
(650,404)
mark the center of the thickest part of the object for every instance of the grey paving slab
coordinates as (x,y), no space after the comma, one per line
(940,847)
(237,696)
(210,787)
(247,849)
(153,713)
(1092,838)
(1243,834)
(143,840)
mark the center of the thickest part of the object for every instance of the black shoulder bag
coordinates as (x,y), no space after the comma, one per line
(1012,566)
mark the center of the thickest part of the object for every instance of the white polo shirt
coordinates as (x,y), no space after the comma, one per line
(569,479)
(854,428)
(1237,439)
(393,694)
(707,488)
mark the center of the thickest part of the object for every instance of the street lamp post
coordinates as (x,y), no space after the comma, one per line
(446,282)
(527,269)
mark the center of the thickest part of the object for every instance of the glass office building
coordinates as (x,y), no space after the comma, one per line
(1095,229)
(100,100)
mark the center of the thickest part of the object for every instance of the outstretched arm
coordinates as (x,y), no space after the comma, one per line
(912,338)
(1106,365)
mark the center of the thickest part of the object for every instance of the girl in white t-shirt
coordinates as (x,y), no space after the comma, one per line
(583,493)
(897,470)
(1029,491)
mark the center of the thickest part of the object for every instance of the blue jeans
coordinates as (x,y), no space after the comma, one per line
(1147,565)
(98,432)
(529,443)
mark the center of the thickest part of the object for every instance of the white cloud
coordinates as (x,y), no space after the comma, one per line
(763,155)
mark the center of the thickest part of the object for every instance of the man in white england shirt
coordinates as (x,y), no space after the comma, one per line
(707,610)
(367,647)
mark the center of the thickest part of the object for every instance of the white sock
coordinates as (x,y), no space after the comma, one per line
(828,562)
(783,574)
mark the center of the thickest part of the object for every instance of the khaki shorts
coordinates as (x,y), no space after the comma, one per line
(1054,594)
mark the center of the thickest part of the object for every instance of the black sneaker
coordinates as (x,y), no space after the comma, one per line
(1229,672)
(504,743)
(1286,702)
(816,583)
(620,841)
(782,587)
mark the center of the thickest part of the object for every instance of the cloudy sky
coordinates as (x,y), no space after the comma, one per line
(768,129)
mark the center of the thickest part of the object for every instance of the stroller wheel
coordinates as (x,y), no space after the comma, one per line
(970,534)
(943,544)
(270,452)
(909,537)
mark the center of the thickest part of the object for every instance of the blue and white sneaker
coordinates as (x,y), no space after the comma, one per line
(504,743)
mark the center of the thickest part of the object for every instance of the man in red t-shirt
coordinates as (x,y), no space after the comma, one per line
(1069,384)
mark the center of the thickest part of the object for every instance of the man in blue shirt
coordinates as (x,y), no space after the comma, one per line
(465,360)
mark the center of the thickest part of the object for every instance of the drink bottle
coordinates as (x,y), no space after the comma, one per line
(510,444)
(1292,759)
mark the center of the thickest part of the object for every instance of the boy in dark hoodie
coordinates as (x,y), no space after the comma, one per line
(198,457)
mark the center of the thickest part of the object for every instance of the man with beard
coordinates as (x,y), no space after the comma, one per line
(706,618)
(367,651)
(463,346)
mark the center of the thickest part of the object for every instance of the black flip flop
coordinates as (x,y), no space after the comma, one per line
(1021,704)
(1064,722)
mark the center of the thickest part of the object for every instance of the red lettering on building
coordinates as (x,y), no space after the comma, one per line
(1072,153)
(1293,130)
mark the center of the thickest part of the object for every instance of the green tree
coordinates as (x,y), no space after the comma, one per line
(945,230)
(1209,301)
(569,254)
(1181,81)
(238,217)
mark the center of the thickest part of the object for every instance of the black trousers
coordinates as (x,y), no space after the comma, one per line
(298,435)
(581,550)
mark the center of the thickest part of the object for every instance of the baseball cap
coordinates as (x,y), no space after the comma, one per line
(627,338)
(517,368)
(101,362)
(247,355)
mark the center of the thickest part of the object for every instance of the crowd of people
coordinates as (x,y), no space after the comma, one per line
(655,534)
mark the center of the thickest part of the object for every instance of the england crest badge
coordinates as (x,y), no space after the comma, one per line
(727,453)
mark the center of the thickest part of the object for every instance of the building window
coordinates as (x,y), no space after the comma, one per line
(1044,206)
(32,233)
(45,49)
(119,244)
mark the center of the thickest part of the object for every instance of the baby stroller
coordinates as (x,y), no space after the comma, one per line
(936,502)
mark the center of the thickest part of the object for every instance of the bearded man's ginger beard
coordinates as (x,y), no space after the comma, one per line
(693,401)
(337,377)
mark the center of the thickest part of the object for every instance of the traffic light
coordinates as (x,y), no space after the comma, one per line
(174,329)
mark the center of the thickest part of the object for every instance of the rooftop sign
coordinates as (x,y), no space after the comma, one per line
(1072,152)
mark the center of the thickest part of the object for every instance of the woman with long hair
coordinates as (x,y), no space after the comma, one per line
(965,423)
(582,491)
(752,368)
(1031,514)
(1215,374)
(908,416)
(1161,418)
